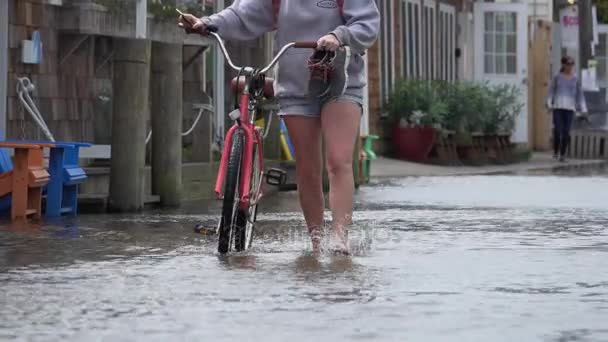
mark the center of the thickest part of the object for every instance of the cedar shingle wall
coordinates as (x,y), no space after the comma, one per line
(75,97)
(64,94)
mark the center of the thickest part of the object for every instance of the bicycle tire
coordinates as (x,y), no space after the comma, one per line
(230,218)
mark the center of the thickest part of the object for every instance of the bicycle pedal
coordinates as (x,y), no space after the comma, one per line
(276,177)
(200,229)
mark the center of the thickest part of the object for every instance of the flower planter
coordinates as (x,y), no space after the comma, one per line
(494,149)
(444,150)
(468,149)
(414,143)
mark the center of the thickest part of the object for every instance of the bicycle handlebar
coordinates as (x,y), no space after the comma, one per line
(305,45)
(212,30)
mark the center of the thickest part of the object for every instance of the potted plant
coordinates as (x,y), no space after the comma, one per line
(500,122)
(466,106)
(416,111)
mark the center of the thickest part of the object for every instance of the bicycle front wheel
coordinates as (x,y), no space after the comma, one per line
(233,218)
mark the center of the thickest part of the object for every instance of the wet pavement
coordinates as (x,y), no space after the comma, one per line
(513,257)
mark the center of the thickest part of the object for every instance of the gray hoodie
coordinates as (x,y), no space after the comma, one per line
(356,25)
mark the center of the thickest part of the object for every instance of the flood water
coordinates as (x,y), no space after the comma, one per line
(521,257)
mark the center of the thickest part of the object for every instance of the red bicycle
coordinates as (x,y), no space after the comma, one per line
(241,171)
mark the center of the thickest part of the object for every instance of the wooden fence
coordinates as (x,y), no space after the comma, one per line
(588,144)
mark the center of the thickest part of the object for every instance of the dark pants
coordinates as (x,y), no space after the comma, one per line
(562,121)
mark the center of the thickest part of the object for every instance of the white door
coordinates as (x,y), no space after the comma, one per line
(501,54)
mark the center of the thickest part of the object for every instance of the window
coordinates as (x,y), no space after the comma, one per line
(387,50)
(441,41)
(425,43)
(406,50)
(500,43)
(428,40)
(411,58)
(431,34)
(429,48)
(416,38)
(447,42)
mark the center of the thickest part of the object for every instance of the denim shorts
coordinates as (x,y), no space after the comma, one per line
(312,107)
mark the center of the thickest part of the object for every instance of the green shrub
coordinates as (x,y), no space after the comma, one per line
(463,106)
(417,103)
(507,106)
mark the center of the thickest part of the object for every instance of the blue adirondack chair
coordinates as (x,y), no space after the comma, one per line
(66,175)
(6,165)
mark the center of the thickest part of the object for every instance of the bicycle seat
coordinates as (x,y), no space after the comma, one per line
(268,86)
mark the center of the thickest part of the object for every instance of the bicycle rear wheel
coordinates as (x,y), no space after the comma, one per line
(232,216)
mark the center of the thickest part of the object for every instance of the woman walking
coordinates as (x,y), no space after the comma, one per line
(564,99)
(320,96)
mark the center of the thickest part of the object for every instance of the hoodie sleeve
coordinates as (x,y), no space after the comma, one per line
(361,25)
(243,20)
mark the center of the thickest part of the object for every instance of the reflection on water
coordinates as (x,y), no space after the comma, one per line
(501,258)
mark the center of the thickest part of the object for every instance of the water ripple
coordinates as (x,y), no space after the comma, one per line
(502,258)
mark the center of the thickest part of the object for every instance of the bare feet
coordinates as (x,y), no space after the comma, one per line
(339,240)
(315,237)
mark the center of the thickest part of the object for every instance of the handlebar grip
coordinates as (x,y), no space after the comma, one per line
(211,28)
(305,45)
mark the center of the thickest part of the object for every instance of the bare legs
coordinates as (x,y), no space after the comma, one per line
(339,124)
(305,136)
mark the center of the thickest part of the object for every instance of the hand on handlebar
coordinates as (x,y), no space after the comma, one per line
(328,42)
(192,24)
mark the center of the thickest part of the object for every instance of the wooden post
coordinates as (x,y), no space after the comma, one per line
(541,75)
(4,60)
(141,19)
(585,31)
(167,110)
(531,83)
(130,110)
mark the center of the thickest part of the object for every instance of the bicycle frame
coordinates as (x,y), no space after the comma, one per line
(246,122)
(252,138)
